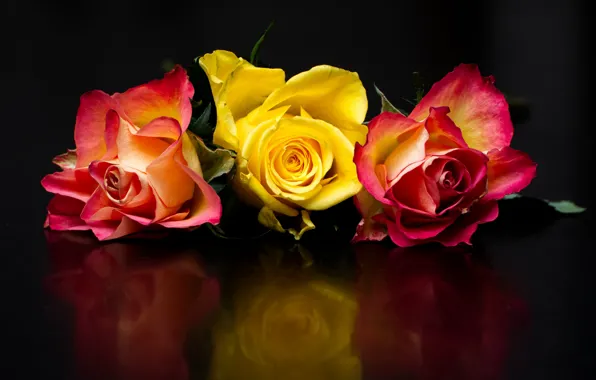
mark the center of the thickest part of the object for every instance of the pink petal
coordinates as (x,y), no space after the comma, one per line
(64,214)
(383,133)
(467,224)
(75,183)
(91,125)
(509,171)
(477,107)
(460,230)
(418,226)
(168,97)
(111,135)
(368,229)
(109,230)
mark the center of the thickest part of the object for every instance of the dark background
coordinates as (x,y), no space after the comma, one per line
(538,51)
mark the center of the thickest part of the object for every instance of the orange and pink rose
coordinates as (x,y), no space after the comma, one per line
(436,174)
(134,166)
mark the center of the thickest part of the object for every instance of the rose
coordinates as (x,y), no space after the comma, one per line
(286,324)
(134,166)
(435,175)
(295,139)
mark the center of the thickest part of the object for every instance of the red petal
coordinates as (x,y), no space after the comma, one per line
(509,171)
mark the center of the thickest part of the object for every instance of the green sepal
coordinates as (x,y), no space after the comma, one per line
(254,54)
(386,105)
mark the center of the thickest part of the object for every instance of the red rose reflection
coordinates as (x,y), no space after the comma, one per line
(432,315)
(131,315)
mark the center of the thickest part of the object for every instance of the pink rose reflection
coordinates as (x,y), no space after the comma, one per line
(131,315)
(432,315)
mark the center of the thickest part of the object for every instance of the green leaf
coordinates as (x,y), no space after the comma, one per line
(214,162)
(566,207)
(254,54)
(512,196)
(418,86)
(386,105)
(200,125)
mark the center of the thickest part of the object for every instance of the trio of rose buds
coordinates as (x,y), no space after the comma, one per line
(300,146)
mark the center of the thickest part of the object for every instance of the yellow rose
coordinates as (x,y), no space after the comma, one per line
(295,140)
(287,325)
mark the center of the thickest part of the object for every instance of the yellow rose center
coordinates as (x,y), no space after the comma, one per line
(295,165)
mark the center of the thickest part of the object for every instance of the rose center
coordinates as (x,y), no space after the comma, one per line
(447,180)
(118,184)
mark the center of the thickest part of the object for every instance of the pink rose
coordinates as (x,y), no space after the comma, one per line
(134,166)
(435,175)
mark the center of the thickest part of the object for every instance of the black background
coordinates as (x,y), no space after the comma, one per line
(537,50)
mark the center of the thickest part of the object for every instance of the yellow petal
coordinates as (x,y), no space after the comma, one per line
(245,89)
(328,93)
(251,191)
(268,219)
(346,184)
(218,66)
(257,116)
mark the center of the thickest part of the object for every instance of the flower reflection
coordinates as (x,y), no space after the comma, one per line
(132,314)
(432,314)
(286,321)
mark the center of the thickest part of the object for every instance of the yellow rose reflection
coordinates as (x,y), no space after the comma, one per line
(286,324)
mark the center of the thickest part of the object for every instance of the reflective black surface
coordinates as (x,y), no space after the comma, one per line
(277,310)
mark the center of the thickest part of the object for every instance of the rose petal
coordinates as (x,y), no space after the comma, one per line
(218,66)
(411,191)
(477,107)
(76,183)
(474,161)
(460,231)
(326,93)
(407,152)
(237,93)
(111,135)
(167,97)
(91,125)
(368,229)
(138,152)
(110,230)
(509,171)
(205,206)
(346,184)
(169,180)
(444,134)
(382,139)
(64,214)
(465,226)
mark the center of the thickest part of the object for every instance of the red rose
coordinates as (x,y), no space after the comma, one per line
(436,174)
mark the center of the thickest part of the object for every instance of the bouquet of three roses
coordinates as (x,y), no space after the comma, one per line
(289,149)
